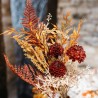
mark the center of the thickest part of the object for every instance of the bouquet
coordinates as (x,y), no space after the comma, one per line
(55,54)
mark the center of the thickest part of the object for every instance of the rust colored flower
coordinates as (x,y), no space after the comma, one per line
(56,50)
(76,53)
(57,69)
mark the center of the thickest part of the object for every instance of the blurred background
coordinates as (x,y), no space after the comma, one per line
(85,9)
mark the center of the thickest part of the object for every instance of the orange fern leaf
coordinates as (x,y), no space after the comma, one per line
(25,72)
(30,19)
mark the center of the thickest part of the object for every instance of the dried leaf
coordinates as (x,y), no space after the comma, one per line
(23,72)
(30,19)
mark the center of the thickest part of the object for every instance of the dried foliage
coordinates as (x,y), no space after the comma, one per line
(36,41)
(40,96)
(92,93)
(24,72)
(30,19)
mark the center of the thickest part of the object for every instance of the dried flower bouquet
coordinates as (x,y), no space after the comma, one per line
(55,54)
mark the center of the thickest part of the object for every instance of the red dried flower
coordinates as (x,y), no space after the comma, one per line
(56,50)
(76,52)
(57,69)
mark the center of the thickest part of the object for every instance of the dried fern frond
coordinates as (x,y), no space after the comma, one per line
(34,54)
(75,35)
(31,38)
(68,21)
(10,31)
(30,19)
(23,72)
(73,38)
(79,26)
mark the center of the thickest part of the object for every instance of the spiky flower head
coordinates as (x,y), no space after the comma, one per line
(57,69)
(56,50)
(76,53)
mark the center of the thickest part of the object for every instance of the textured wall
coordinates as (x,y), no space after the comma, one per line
(88,11)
